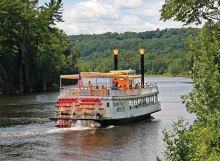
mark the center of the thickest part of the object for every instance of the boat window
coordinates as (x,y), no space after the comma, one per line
(147,99)
(135,102)
(144,101)
(140,101)
(131,103)
(152,99)
(108,104)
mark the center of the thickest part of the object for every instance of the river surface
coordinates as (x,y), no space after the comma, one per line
(27,134)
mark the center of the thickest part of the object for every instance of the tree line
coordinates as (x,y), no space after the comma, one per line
(166,51)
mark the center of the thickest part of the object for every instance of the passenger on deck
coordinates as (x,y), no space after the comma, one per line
(130,86)
(136,86)
(97,87)
(125,88)
(113,85)
(103,90)
(117,86)
(89,85)
(103,87)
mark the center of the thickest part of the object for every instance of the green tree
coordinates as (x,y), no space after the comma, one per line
(190,11)
(29,41)
(204,99)
(174,67)
(51,51)
(177,142)
(71,62)
(202,138)
(10,29)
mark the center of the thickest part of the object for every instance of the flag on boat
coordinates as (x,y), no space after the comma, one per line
(80,81)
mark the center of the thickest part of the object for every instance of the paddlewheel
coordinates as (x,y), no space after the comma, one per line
(65,111)
(90,107)
(69,109)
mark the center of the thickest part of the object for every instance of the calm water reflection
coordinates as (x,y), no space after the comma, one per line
(27,133)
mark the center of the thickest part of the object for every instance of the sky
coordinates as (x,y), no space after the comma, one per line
(101,16)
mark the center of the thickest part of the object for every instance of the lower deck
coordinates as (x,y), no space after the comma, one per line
(104,109)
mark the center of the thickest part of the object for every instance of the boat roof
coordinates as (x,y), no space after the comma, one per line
(113,74)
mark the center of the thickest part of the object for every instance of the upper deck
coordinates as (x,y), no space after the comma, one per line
(66,91)
(121,83)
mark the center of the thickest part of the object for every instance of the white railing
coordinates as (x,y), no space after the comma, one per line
(66,91)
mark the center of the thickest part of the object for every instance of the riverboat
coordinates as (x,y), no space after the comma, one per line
(120,101)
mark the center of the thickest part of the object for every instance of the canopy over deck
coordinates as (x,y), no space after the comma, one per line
(113,74)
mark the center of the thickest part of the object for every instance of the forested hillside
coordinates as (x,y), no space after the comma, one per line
(166,50)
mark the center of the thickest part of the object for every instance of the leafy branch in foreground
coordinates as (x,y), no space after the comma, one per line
(201,141)
(203,137)
(177,142)
(191,11)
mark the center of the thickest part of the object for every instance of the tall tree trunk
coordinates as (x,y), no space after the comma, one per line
(24,78)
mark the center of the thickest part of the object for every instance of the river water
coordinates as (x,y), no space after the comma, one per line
(27,133)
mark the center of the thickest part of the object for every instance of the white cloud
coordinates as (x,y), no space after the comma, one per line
(128,4)
(151,9)
(86,12)
(100,16)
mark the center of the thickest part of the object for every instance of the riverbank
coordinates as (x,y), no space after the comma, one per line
(182,74)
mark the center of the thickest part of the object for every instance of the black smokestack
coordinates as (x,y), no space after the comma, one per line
(142,67)
(115,59)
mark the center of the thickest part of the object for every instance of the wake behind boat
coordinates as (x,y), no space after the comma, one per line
(121,101)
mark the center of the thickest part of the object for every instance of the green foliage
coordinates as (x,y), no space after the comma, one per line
(50,51)
(162,48)
(206,73)
(202,139)
(204,100)
(2,72)
(30,43)
(71,63)
(190,11)
(9,30)
(177,142)
(205,138)
(196,142)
